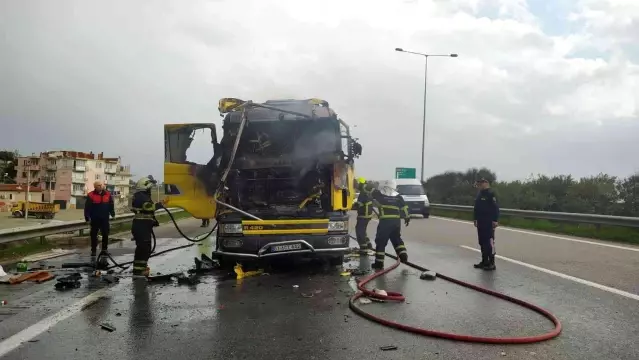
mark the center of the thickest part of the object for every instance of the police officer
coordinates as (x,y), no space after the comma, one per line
(364,207)
(143,222)
(486,219)
(391,209)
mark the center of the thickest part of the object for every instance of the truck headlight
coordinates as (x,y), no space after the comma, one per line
(231,228)
(337,225)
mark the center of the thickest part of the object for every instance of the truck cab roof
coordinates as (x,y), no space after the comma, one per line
(308,109)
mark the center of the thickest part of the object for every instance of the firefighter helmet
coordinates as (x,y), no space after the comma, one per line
(146,183)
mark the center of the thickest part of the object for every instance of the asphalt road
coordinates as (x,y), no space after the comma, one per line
(304,314)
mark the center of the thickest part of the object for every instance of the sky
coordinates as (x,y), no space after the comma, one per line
(539,86)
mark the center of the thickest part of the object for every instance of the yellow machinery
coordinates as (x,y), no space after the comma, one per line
(38,210)
(280,181)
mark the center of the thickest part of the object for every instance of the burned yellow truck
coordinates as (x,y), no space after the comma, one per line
(279,182)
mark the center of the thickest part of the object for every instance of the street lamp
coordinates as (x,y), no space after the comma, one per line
(426,56)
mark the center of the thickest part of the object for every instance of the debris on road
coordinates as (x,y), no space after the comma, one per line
(365,301)
(428,275)
(107,327)
(36,276)
(2,273)
(307,295)
(241,274)
(69,282)
(188,280)
(345,273)
(388,348)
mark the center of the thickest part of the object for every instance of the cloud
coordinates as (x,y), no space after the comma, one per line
(518,99)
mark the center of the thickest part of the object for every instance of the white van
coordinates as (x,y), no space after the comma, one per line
(413,194)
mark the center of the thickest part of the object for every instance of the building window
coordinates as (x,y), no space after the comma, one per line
(97,176)
(10,196)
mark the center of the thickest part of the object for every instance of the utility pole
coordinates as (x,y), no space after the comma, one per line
(426,56)
(26,201)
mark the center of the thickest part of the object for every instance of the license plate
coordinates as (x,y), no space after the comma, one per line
(288,247)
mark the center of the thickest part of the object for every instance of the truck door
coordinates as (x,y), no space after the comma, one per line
(190,185)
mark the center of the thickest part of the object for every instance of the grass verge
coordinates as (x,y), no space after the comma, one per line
(18,250)
(603,232)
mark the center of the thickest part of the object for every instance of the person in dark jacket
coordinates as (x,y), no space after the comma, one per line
(97,208)
(486,219)
(391,211)
(142,225)
(364,208)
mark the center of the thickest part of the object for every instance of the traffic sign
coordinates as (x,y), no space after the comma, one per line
(405,173)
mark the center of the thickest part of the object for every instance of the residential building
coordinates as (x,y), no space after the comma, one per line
(12,193)
(66,177)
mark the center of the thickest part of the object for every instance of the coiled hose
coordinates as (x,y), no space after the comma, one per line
(395,296)
(124,266)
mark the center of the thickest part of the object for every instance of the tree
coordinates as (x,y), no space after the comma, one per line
(600,194)
(8,162)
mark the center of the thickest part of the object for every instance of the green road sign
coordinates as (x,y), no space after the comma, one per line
(405,173)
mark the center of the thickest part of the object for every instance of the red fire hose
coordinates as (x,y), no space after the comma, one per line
(394,296)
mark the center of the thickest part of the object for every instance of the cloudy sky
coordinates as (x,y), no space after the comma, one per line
(539,86)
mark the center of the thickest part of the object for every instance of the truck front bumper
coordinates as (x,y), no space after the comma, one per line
(256,247)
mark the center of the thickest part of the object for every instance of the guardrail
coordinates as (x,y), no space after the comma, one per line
(40,231)
(595,219)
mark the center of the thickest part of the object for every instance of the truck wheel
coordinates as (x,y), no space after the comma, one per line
(336,261)
(18,214)
(426,214)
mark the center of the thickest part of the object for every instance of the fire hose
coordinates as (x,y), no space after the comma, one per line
(398,297)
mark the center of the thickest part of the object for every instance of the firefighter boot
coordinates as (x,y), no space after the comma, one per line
(482,264)
(378,265)
(403,257)
(490,265)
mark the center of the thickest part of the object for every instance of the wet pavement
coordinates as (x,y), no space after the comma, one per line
(304,314)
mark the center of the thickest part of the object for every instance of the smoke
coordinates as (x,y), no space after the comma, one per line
(312,145)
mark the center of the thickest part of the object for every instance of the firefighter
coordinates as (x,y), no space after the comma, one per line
(143,222)
(98,206)
(391,210)
(486,219)
(364,207)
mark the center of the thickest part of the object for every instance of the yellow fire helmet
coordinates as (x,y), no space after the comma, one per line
(361,180)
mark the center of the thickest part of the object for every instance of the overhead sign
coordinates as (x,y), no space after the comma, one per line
(405,173)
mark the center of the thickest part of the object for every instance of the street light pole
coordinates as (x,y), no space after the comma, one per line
(426,56)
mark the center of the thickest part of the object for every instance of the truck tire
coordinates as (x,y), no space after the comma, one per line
(18,214)
(336,260)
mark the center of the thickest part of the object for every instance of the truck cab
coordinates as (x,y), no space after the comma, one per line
(280,182)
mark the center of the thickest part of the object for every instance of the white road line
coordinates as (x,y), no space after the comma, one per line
(548,235)
(13,342)
(564,276)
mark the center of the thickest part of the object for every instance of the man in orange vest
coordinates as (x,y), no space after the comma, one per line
(97,208)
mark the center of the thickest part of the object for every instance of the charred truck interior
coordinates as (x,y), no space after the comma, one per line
(280,181)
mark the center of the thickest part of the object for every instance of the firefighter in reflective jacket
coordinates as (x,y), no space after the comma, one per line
(142,225)
(364,207)
(391,210)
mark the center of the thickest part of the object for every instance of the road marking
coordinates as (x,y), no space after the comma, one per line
(15,341)
(564,276)
(548,235)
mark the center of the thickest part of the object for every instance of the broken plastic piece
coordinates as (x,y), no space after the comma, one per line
(107,327)
(365,301)
(428,275)
(241,274)
(346,273)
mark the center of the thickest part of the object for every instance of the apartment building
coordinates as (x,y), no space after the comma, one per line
(66,177)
